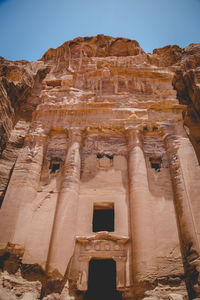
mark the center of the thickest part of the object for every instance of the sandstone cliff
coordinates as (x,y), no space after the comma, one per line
(98,85)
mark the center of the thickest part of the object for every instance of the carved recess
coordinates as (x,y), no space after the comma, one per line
(102,246)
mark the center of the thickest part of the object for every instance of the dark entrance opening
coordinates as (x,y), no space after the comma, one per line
(103,218)
(54,165)
(155,163)
(102,280)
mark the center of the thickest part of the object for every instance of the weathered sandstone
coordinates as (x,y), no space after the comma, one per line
(99,172)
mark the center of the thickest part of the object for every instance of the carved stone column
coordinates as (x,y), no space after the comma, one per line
(141,218)
(22,190)
(64,228)
(185,175)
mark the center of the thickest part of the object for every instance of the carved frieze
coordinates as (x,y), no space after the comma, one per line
(103,245)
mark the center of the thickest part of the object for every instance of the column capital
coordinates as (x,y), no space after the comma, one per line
(33,139)
(178,129)
(36,134)
(134,137)
(75,135)
(167,130)
(174,132)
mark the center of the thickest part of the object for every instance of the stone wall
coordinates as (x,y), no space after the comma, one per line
(97,124)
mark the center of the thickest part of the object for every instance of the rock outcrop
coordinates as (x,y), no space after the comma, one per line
(99,125)
(187,83)
(15,287)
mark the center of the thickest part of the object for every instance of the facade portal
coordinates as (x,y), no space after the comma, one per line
(99,177)
(102,280)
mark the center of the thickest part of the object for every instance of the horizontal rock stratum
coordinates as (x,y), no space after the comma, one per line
(99,173)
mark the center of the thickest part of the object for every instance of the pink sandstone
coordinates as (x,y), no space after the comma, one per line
(99,172)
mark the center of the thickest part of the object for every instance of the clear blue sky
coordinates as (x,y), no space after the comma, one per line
(30,27)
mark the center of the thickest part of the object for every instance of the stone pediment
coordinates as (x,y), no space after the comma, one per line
(102,245)
(102,236)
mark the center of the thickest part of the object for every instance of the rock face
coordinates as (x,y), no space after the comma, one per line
(99,172)
(187,83)
(15,287)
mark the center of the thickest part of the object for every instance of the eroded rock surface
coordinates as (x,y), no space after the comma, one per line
(187,83)
(98,124)
(15,287)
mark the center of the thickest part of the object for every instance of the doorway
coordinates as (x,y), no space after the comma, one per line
(102,280)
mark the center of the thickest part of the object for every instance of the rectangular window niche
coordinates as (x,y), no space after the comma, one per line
(103,217)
